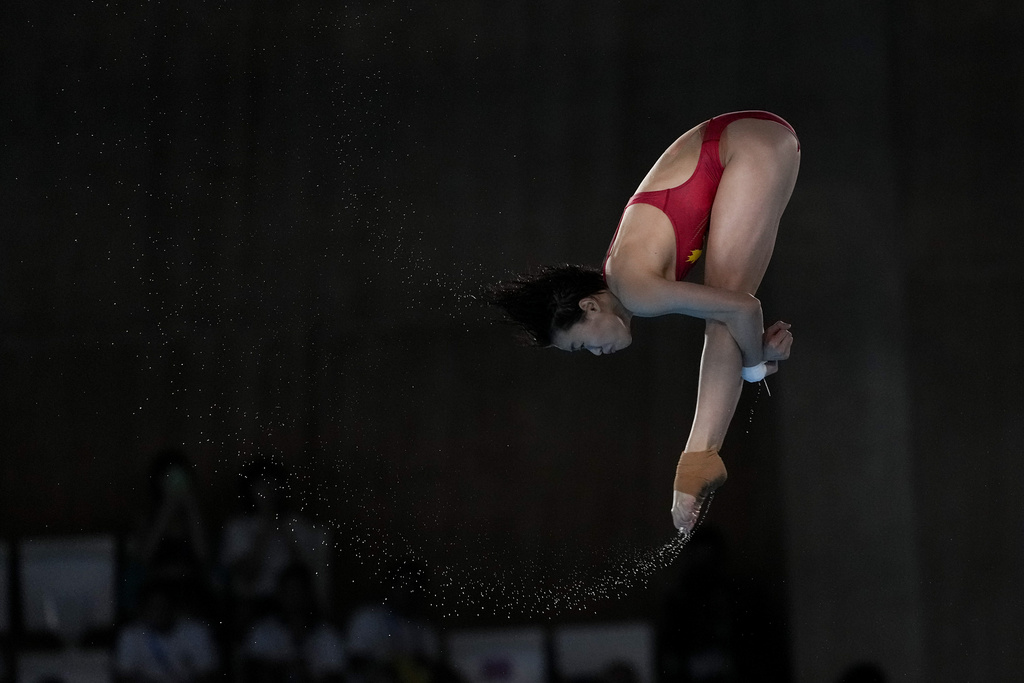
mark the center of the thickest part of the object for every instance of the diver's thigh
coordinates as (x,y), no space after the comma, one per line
(752,195)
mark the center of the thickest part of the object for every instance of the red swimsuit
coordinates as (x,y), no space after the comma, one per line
(688,206)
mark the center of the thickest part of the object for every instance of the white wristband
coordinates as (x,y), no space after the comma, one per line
(754,373)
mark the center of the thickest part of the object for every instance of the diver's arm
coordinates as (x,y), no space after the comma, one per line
(651,295)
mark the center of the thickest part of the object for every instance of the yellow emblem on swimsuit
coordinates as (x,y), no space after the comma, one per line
(694,255)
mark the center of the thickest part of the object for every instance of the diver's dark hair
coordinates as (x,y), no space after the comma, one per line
(546,299)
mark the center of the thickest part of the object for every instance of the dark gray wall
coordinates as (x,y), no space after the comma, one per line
(255,229)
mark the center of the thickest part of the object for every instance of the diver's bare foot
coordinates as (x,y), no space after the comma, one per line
(684,512)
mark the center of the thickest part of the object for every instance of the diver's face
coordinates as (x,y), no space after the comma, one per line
(600,331)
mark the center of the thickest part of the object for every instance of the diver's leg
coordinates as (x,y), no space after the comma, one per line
(756,185)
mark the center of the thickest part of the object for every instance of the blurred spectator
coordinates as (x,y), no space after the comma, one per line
(616,672)
(265,539)
(369,672)
(445,673)
(171,543)
(620,672)
(397,633)
(697,631)
(294,643)
(716,626)
(864,672)
(164,644)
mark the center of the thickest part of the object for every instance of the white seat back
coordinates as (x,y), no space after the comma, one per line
(72,666)
(589,649)
(67,584)
(5,588)
(499,656)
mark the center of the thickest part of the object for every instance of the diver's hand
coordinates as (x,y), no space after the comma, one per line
(777,342)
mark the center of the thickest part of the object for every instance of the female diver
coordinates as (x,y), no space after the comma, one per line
(726,182)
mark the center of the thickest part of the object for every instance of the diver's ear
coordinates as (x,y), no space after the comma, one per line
(589,304)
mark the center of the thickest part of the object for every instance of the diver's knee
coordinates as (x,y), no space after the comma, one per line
(715,328)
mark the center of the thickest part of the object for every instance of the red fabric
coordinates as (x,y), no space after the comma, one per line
(688,206)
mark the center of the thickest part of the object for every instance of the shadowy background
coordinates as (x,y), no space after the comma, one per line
(254,228)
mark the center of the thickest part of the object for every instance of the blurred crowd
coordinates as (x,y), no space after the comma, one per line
(253,605)
(249,599)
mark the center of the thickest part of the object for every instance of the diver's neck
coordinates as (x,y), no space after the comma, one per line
(617,307)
